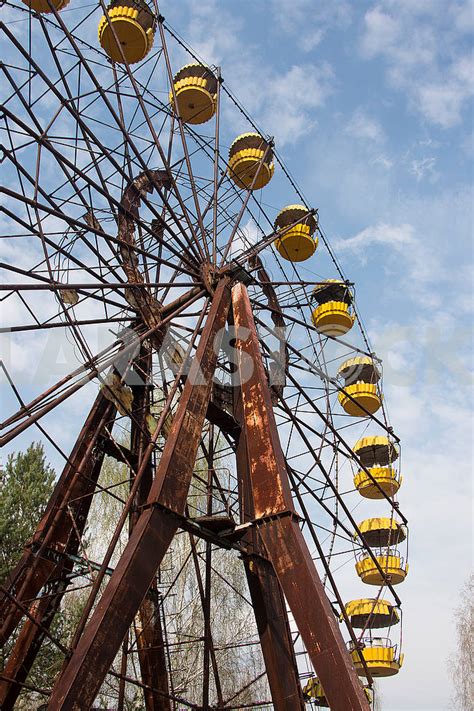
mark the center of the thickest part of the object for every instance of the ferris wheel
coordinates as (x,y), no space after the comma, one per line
(151,224)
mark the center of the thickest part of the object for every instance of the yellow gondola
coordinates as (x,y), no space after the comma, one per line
(314,692)
(245,161)
(370,613)
(360,396)
(377,454)
(382,532)
(332,316)
(381,657)
(133,23)
(195,87)
(386,477)
(378,450)
(44,6)
(391,564)
(300,241)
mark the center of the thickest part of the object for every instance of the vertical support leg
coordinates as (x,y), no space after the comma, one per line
(267,599)
(275,636)
(81,679)
(280,531)
(151,651)
(151,655)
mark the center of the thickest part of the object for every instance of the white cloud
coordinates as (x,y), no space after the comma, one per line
(382,160)
(395,236)
(424,167)
(289,100)
(310,21)
(425,57)
(381,32)
(365,127)
(421,253)
(284,101)
(463,15)
(443,103)
(213,31)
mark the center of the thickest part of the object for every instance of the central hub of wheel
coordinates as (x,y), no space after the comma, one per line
(210,276)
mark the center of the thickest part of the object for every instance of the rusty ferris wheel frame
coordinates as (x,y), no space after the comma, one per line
(164,257)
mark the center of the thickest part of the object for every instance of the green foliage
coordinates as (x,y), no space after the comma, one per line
(26,485)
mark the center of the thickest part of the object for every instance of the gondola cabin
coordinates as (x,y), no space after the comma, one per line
(298,226)
(359,396)
(127,31)
(391,567)
(251,164)
(380,655)
(333,314)
(195,89)
(377,454)
(44,6)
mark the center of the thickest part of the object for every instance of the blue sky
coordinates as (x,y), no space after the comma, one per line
(370,107)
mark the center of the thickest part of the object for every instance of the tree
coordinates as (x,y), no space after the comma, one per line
(461,663)
(26,486)
(231,617)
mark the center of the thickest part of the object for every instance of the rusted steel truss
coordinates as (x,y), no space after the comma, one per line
(278,525)
(154,530)
(149,633)
(266,594)
(44,556)
(277,562)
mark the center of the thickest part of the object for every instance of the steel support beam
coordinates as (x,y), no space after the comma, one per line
(266,595)
(275,636)
(67,543)
(153,532)
(28,643)
(151,651)
(279,527)
(55,529)
(152,657)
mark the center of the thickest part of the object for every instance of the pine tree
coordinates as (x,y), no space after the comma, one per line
(26,485)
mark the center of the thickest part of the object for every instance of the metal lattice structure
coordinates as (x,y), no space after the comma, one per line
(229,383)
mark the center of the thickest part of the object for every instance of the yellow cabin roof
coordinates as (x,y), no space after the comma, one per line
(332,290)
(146,16)
(382,531)
(378,524)
(361,368)
(249,140)
(371,606)
(194,69)
(360,360)
(375,441)
(292,213)
(313,688)
(328,282)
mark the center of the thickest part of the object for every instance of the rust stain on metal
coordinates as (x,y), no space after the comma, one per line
(281,535)
(152,534)
(76,482)
(267,598)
